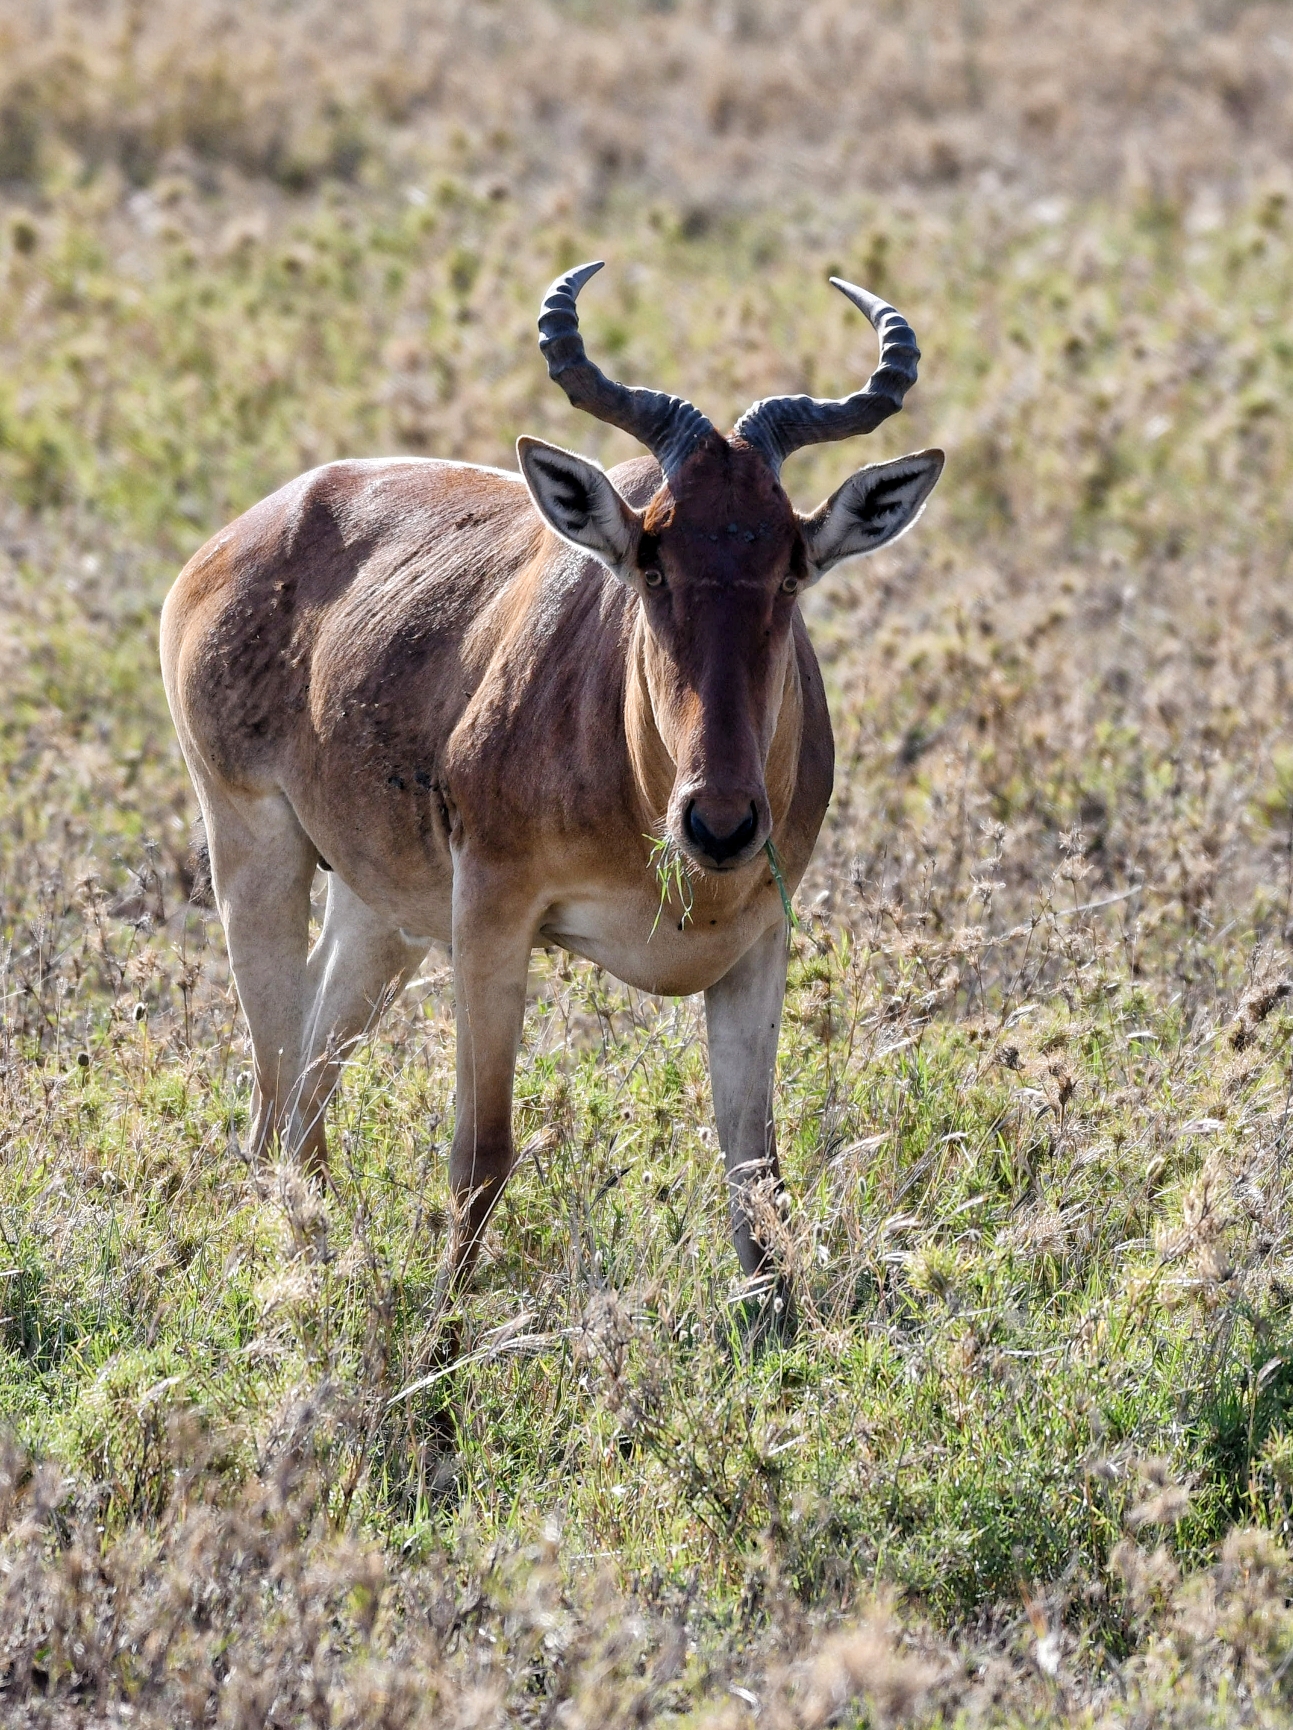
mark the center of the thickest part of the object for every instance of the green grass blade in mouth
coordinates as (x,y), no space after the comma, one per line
(671,875)
(792,919)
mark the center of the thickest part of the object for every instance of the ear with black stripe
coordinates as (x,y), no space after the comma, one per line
(872,508)
(577,498)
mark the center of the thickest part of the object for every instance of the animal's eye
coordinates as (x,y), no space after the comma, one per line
(653,578)
(790,586)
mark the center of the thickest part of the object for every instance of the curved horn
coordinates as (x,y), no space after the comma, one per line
(668,426)
(781,424)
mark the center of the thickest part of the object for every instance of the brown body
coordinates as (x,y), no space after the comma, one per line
(438,672)
(479,700)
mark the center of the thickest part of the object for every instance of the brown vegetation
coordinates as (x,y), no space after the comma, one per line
(707,103)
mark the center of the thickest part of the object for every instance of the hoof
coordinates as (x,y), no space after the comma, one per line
(771,1319)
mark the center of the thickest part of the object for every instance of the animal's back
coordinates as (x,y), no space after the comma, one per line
(299,614)
(320,649)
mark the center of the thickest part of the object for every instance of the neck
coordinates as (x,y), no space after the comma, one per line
(654,770)
(781,772)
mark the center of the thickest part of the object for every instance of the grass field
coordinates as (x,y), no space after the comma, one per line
(1030,1457)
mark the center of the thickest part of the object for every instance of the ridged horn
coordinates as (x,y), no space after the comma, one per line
(781,424)
(669,426)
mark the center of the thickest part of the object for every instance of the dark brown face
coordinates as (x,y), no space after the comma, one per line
(719,563)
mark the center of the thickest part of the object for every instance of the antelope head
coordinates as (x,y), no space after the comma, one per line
(719,554)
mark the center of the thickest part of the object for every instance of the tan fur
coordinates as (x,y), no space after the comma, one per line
(396,667)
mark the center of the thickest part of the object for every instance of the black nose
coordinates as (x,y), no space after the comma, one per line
(720,847)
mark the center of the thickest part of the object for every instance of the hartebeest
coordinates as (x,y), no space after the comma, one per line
(475,697)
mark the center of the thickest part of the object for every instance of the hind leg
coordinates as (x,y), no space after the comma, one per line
(355,968)
(262,865)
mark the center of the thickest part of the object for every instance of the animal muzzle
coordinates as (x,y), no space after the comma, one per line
(722,833)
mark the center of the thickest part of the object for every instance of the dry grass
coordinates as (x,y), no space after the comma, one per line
(1031,1457)
(706,103)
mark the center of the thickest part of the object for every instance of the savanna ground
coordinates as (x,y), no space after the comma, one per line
(1030,1457)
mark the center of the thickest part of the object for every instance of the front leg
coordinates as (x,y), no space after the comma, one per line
(743,1020)
(493,934)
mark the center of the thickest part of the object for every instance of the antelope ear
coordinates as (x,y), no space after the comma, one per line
(577,498)
(873,507)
